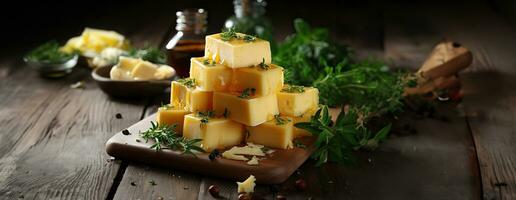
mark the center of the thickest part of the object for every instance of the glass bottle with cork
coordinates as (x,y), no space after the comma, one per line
(188,40)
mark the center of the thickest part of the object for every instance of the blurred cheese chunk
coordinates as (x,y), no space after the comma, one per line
(93,41)
(138,69)
(266,80)
(107,57)
(247,186)
(250,111)
(171,115)
(185,94)
(276,133)
(296,100)
(253,161)
(306,117)
(144,70)
(237,52)
(209,75)
(216,133)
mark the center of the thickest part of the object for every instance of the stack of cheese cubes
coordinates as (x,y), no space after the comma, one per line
(235,95)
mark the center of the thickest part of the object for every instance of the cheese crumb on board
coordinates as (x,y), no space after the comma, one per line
(253,161)
(247,186)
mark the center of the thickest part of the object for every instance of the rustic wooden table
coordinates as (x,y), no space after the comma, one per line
(52,137)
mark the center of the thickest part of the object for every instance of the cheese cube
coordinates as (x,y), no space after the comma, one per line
(171,115)
(144,71)
(297,100)
(250,111)
(237,52)
(265,81)
(216,133)
(306,117)
(276,133)
(186,95)
(209,75)
(127,63)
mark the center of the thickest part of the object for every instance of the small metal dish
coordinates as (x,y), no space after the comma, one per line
(128,88)
(53,70)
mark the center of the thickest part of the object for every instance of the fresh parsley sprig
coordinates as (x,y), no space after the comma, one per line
(165,136)
(335,142)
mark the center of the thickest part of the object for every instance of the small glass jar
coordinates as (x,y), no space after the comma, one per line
(188,40)
(250,19)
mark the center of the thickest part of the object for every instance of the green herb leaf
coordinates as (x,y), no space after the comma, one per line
(280,120)
(264,66)
(228,34)
(248,92)
(293,89)
(188,82)
(151,54)
(48,53)
(249,38)
(165,136)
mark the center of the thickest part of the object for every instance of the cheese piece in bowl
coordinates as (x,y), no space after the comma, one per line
(137,69)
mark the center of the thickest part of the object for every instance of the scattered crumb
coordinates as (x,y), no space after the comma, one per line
(152,182)
(78,85)
(133,184)
(253,161)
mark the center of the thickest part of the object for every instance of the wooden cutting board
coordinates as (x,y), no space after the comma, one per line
(275,168)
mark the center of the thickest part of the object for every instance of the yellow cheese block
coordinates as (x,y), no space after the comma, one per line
(266,81)
(306,117)
(250,111)
(216,133)
(276,133)
(144,70)
(172,116)
(188,96)
(237,52)
(93,41)
(296,102)
(209,75)
(127,63)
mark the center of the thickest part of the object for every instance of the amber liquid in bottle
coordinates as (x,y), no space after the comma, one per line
(179,56)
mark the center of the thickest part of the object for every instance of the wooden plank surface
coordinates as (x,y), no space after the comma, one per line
(488,85)
(52,138)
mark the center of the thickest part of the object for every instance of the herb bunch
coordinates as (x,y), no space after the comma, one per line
(336,141)
(151,54)
(48,53)
(165,136)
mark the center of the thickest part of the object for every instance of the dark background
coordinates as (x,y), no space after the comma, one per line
(28,23)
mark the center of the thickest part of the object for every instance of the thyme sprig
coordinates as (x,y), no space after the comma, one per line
(188,82)
(293,89)
(165,136)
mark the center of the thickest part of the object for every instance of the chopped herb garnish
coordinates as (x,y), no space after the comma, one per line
(188,82)
(226,113)
(205,116)
(249,38)
(263,65)
(228,34)
(293,89)
(48,53)
(280,120)
(247,93)
(265,149)
(299,144)
(165,136)
(152,182)
(209,62)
